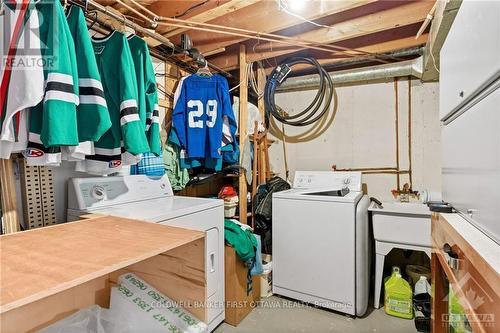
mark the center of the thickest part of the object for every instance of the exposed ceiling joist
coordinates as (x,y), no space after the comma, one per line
(181,8)
(265,17)
(404,15)
(212,14)
(370,26)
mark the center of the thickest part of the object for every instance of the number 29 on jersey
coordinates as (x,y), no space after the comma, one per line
(197,110)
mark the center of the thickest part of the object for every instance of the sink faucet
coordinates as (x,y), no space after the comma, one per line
(405,194)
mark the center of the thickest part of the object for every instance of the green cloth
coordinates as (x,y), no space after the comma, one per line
(243,241)
(178,176)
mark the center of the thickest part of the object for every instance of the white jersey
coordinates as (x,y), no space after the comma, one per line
(21,73)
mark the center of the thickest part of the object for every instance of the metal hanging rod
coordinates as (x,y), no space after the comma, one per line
(162,39)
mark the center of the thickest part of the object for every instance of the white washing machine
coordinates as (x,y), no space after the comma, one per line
(321,243)
(152,200)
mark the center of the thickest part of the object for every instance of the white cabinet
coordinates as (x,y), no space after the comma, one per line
(471,164)
(471,53)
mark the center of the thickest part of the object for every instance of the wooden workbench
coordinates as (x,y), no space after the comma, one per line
(49,273)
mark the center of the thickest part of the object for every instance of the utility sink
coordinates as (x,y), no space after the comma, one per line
(402,223)
(398,225)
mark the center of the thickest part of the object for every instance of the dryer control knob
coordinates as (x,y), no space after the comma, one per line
(98,192)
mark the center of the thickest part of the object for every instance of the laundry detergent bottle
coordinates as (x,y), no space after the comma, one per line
(398,295)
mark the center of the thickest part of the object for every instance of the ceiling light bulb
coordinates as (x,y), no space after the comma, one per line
(297,5)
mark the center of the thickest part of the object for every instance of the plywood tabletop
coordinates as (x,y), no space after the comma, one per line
(38,263)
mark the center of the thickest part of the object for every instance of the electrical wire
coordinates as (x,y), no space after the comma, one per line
(283,5)
(434,63)
(285,157)
(312,113)
(187,11)
(252,79)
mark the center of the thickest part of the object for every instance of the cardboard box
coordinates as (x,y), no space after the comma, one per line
(238,303)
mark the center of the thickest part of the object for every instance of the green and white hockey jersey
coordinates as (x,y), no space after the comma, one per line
(126,140)
(53,122)
(147,93)
(92,113)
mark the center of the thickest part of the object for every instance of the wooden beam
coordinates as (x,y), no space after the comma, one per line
(175,8)
(242,126)
(444,16)
(404,15)
(266,18)
(213,52)
(8,197)
(213,13)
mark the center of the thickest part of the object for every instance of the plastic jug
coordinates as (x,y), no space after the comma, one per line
(422,305)
(398,295)
(422,286)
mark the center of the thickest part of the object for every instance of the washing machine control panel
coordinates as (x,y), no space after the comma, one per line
(327,179)
(84,193)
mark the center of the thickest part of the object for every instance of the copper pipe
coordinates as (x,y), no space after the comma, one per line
(409,134)
(121,18)
(145,9)
(392,172)
(293,42)
(189,25)
(334,167)
(255,34)
(133,10)
(258,35)
(396,104)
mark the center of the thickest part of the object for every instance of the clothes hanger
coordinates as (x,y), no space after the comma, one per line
(93,16)
(90,14)
(204,71)
(128,31)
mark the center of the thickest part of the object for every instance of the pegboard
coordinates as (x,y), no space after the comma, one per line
(37,191)
(48,196)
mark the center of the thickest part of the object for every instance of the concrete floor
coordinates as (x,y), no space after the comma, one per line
(274,316)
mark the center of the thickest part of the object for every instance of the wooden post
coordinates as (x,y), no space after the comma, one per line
(8,197)
(261,83)
(242,181)
(266,159)
(255,167)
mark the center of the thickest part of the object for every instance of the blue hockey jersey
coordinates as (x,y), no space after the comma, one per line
(199,114)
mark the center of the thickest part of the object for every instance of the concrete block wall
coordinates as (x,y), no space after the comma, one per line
(360,132)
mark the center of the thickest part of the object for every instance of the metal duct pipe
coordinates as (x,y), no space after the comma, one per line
(412,67)
(364,61)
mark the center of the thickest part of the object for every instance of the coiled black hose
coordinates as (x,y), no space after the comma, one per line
(313,112)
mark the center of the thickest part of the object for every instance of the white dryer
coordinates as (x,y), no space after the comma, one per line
(152,200)
(321,242)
